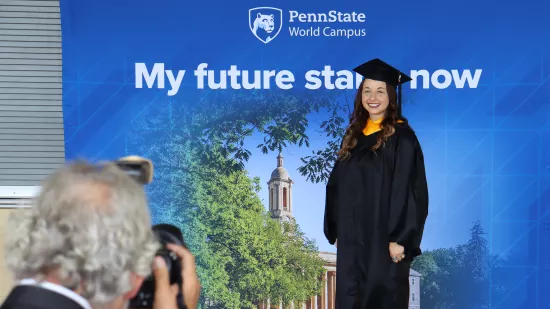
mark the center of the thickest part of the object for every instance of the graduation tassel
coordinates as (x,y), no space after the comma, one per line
(399,97)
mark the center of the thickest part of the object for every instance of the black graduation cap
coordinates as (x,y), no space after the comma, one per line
(377,69)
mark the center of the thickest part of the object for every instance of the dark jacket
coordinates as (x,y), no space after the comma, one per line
(37,297)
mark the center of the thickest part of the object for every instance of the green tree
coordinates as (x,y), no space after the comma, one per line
(299,277)
(459,277)
(478,248)
(430,287)
(243,255)
(259,258)
(318,166)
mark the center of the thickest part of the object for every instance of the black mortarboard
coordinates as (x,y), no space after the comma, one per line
(377,69)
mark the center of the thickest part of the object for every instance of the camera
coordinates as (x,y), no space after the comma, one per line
(141,170)
(145,297)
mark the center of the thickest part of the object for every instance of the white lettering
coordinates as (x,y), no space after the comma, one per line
(447,79)
(212,82)
(328,78)
(158,71)
(267,78)
(257,84)
(330,17)
(284,79)
(425,78)
(328,73)
(466,75)
(293,14)
(143,73)
(234,74)
(344,80)
(348,33)
(242,78)
(312,76)
(459,79)
(200,73)
(175,83)
(311,31)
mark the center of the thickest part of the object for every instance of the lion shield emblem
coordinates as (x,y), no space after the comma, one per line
(265,23)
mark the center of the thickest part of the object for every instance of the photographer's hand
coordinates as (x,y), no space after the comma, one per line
(165,295)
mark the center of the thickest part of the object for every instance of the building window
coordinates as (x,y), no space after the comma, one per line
(285,205)
(413,298)
(412,281)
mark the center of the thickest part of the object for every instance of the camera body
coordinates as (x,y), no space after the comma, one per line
(145,297)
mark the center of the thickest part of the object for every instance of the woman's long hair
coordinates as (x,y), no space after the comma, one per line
(358,121)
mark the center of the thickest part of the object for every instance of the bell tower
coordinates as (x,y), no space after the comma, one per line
(280,191)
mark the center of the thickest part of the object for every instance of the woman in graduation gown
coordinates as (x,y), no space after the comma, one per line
(376,196)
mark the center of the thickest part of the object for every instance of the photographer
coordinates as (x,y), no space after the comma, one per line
(87,243)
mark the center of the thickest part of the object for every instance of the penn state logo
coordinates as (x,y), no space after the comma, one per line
(265,23)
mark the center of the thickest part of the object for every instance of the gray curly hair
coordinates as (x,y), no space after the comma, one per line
(91,226)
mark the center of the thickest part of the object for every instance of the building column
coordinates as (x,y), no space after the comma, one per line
(334,287)
(330,288)
(321,299)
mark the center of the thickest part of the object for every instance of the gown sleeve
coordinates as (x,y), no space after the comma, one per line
(331,208)
(409,196)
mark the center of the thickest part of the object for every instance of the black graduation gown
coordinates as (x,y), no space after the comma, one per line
(373,199)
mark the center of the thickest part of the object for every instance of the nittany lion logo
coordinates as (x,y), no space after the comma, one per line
(265,23)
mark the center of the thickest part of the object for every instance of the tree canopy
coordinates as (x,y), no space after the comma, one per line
(243,255)
(459,277)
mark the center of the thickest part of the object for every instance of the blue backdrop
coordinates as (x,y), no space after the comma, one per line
(480,102)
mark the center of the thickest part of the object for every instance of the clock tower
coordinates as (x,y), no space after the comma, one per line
(280,192)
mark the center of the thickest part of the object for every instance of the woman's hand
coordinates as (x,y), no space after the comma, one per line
(397,252)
